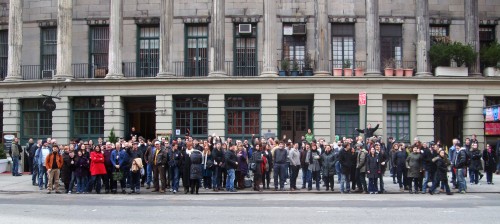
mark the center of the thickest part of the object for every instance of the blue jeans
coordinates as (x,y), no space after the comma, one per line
(316,176)
(462,184)
(149,172)
(429,177)
(372,185)
(96,180)
(306,175)
(34,175)
(42,172)
(15,166)
(474,176)
(72,181)
(215,177)
(345,181)
(230,180)
(338,170)
(175,177)
(81,184)
(279,172)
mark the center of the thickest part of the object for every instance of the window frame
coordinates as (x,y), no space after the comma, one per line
(90,117)
(296,40)
(248,67)
(335,63)
(200,67)
(245,110)
(39,111)
(93,66)
(395,41)
(431,36)
(53,43)
(148,71)
(348,129)
(399,115)
(191,111)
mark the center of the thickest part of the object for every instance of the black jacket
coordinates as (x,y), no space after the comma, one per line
(372,166)
(368,131)
(346,160)
(475,163)
(231,160)
(428,155)
(461,160)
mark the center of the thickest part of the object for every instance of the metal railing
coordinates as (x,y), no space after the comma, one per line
(31,72)
(243,68)
(195,68)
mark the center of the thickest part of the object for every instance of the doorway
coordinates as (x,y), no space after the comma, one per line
(140,113)
(448,121)
(294,120)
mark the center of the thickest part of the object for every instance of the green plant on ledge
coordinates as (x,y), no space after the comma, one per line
(112,137)
(445,51)
(490,55)
(3,155)
(295,66)
(347,64)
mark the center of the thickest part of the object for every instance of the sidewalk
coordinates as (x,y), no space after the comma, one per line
(22,184)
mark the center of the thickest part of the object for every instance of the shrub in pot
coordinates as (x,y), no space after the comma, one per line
(308,71)
(389,67)
(285,67)
(347,68)
(295,68)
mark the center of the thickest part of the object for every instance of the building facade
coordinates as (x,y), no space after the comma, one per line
(208,67)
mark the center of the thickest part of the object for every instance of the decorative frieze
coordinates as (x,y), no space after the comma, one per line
(294,19)
(97,22)
(147,20)
(439,21)
(334,19)
(245,19)
(395,20)
(188,20)
(47,23)
(488,22)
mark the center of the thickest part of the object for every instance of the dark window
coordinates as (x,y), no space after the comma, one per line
(294,43)
(196,63)
(99,47)
(438,31)
(391,43)
(486,35)
(243,116)
(49,48)
(343,44)
(245,52)
(191,115)
(36,122)
(88,117)
(4,52)
(346,118)
(398,120)
(149,52)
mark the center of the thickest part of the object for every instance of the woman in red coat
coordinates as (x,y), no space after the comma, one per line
(97,169)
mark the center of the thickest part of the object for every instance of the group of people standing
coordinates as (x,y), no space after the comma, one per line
(226,165)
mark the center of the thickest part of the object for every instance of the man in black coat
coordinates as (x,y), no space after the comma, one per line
(345,161)
(368,131)
(231,163)
(382,158)
(429,166)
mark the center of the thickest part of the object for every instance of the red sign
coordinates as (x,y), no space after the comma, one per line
(362,98)
(491,128)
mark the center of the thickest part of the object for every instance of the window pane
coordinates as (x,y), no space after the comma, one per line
(243,116)
(398,120)
(49,48)
(191,115)
(346,118)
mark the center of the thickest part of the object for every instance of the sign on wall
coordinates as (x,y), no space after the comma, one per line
(362,99)
(491,128)
(491,114)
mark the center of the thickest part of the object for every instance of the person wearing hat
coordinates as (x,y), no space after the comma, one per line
(160,159)
(53,164)
(41,155)
(135,163)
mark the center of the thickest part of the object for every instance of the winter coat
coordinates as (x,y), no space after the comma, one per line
(137,166)
(345,161)
(461,159)
(50,159)
(361,161)
(313,159)
(207,171)
(372,166)
(174,158)
(243,162)
(82,167)
(441,168)
(383,158)
(328,164)
(230,160)
(67,168)
(427,157)
(269,159)
(294,156)
(161,158)
(303,155)
(257,159)
(414,165)
(97,163)
(399,158)
(196,167)
(490,161)
(475,162)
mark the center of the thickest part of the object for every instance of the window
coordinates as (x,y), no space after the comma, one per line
(148,55)
(294,43)
(342,45)
(346,118)
(243,116)
(245,52)
(99,47)
(391,39)
(486,35)
(398,120)
(49,48)
(196,63)
(191,115)
(88,117)
(4,52)
(36,122)
(437,32)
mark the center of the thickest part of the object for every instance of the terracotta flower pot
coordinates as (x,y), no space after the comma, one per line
(389,72)
(408,72)
(358,72)
(399,72)
(348,72)
(337,72)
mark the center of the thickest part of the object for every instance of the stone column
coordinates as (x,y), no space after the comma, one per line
(164,114)
(322,116)
(472,31)
(216,115)
(15,41)
(61,120)
(423,38)
(114,116)
(425,117)
(166,22)
(322,40)
(372,39)
(217,39)
(269,113)
(474,119)
(64,35)
(115,40)
(270,39)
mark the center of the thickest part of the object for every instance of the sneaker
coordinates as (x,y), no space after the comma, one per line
(175,191)
(462,192)
(48,192)
(69,192)
(149,186)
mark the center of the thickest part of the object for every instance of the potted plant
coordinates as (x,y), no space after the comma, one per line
(408,70)
(4,162)
(399,72)
(359,70)
(285,67)
(443,52)
(307,70)
(490,57)
(295,68)
(389,67)
(337,68)
(347,68)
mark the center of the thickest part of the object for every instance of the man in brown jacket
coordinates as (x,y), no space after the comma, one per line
(54,163)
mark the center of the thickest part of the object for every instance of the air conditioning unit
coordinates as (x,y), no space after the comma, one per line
(299,29)
(245,28)
(48,74)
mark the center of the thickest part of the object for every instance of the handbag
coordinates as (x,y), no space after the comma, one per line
(253,166)
(210,164)
(117,175)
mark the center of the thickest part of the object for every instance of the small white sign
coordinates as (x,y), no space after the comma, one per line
(177,131)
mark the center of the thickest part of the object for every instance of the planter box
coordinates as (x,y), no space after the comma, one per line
(308,72)
(452,71)
(282,73)
(3,165)
(337,72)
(491,71)
(294,73)
(348,72)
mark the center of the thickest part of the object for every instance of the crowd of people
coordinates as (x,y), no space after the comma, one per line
(162,165)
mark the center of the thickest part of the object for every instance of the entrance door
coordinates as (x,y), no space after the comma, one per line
(141,115)
(448,121)
(294,121)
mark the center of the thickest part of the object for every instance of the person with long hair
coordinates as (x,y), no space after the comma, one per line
(373,171)
(257,158)
(97,168)
(266,176)
(441,176)
(208,164)
(242,170)
(313,159)
(414,166)
(490,163)
(399,163)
